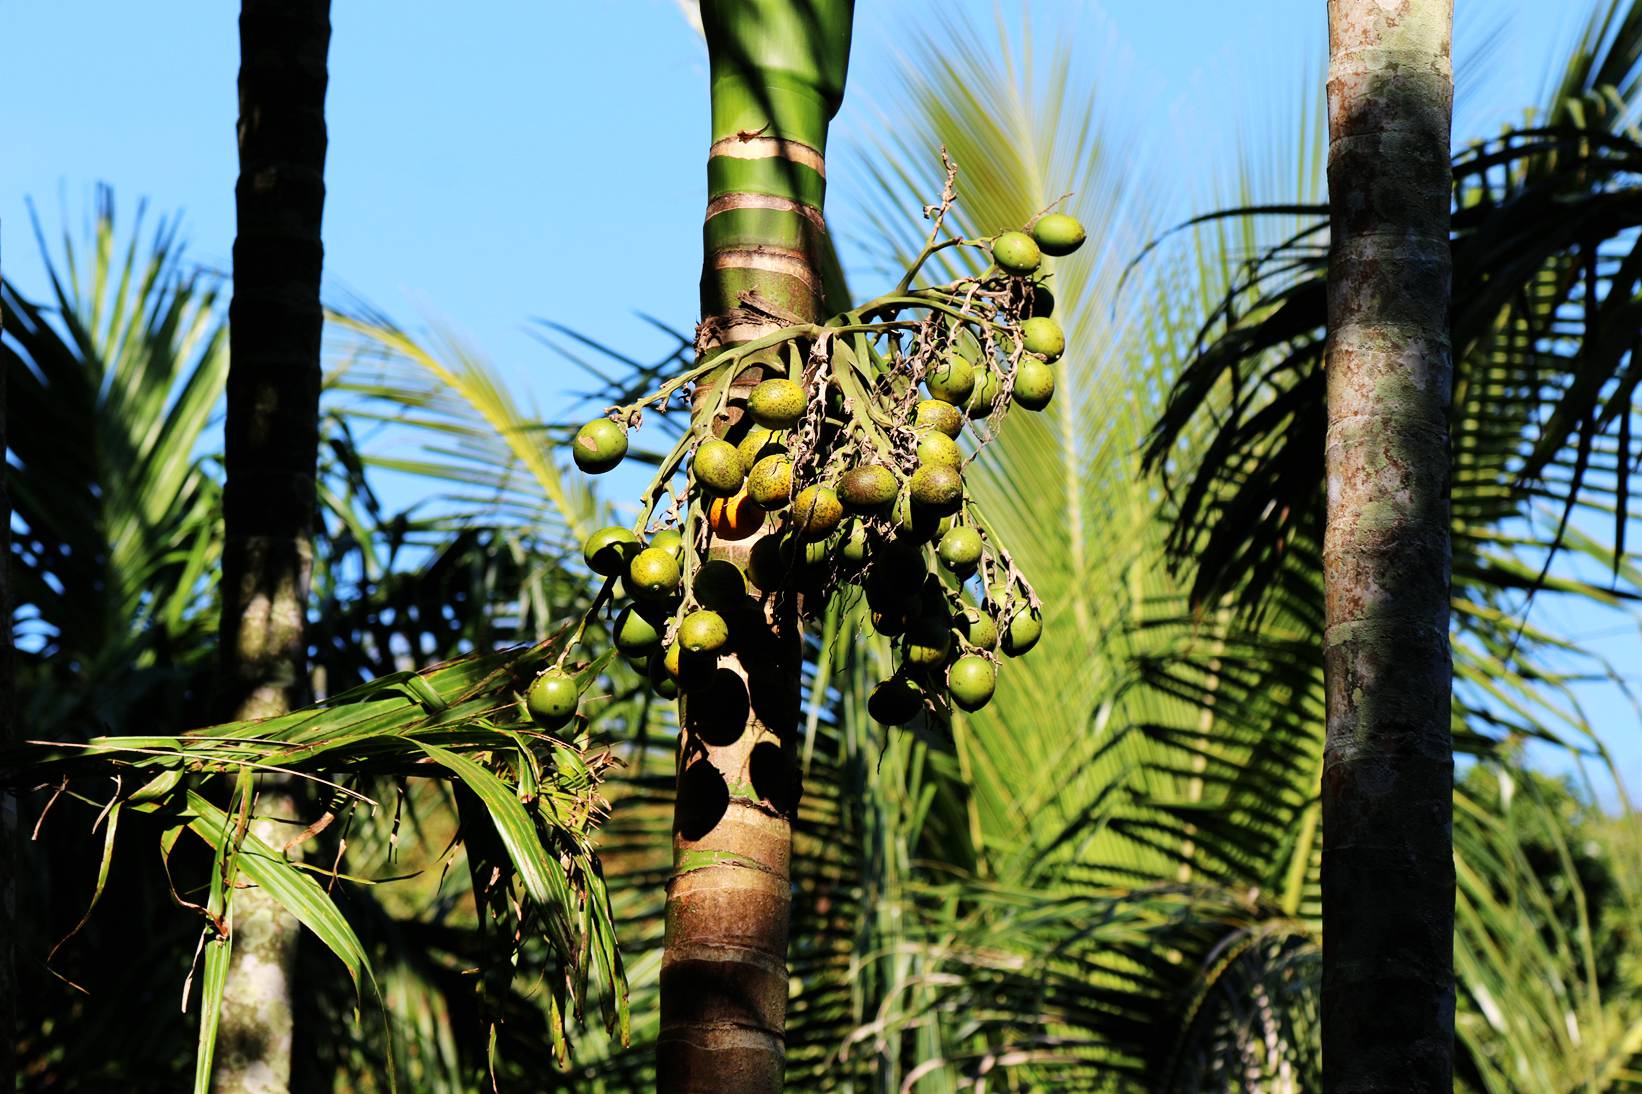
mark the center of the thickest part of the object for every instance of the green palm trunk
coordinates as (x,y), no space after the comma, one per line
(269,498)
(778,69)
(1387,789)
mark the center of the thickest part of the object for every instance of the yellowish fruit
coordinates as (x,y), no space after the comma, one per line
(758,442)
(938,415)
(770,484)
(939,450)
(670,540)
(869,488)
(927,643)
(776,404)
(653,574)
(703,632)
(718,468)
(952,380)
(816,512)
(937,488)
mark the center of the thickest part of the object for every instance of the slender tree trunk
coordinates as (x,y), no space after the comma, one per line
(269,501)
(778,70)
(1388,874)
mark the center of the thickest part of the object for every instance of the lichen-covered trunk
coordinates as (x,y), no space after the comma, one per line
(269,499)
(1388,874)
(777,69)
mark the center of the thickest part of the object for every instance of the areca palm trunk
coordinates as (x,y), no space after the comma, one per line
(271,448)
(1388,876)
(777,70)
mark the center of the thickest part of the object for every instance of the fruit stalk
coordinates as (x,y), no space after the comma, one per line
(1387,787)
(777,71)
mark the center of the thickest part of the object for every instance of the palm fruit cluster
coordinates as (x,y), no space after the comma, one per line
(847,464)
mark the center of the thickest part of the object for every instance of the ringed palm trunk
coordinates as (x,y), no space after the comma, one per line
(777,70)
(269,498)
(1388,876)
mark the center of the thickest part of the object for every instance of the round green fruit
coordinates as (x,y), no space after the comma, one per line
(759,441)
(1024,629)
(895,702)
(1043,301)
(913,522)
(1016,253)
(670,540)
(939,450)
(852,546)
(970,681)
(1034,384)
(960,549)
(951,381)
(987,386)
(868,489)
(599,446)
(552,698)
(634,634)
(1042,335)
(936,488)
(720,585)
(937,415)
(660,679)
(770,484)
(776,404)
(977,628)
(703,632)
(653,574)
(1058,234)
(816,512)
(718,468)
(607,550)
(927,642)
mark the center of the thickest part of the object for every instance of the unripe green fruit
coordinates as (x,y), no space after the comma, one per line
(952,380)
(670,540)
(816,512)
(720,585)
(599,446)
(1024,629)
(913,522)
(1016,253)
(770,484)
(937,488)
(703,632)
(634,634)
(939,450)
(928,641)
(960,549)
(895,702)
(607,550)
(1058,234)
(1043,336)
(987,386)
(1034,384)
(660,679)
(718,468)
(1043,301)
(759,441)
(552,698)
(653,574)
(898,566)
(970,681)
(944,417)
(776,404)
(853,547)
(868,489)
(977,628)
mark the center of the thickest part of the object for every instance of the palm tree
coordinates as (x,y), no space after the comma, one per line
(778,70)
(268,499)
(1388,767)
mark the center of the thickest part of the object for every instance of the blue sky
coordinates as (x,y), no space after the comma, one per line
(493,162)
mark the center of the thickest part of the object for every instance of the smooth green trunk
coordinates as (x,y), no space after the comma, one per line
(1388,875)
(269,500)
(778,70)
